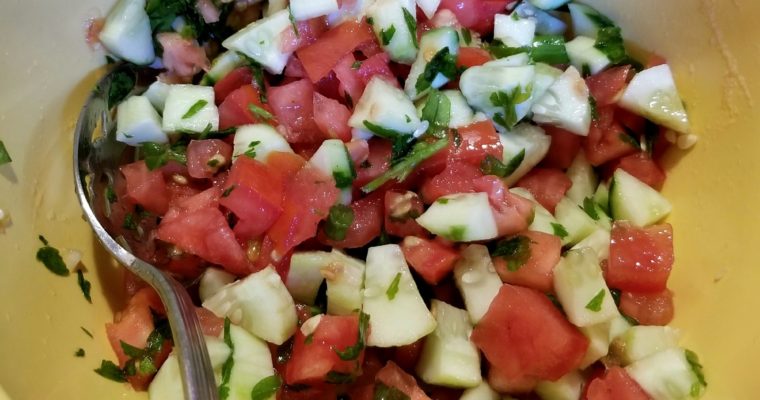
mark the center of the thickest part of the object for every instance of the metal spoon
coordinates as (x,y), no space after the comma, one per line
(97,156)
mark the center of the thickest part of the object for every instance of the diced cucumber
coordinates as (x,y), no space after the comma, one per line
(308,9)
(513,30)
(127,34)
(181,113)
(262,139)
(576,222)
(500,91)
(477,280)
(138,122)
(567,387)
(349,10)
(584,179)
(394,23)
(397,313)
(332,158)
(428,7)
(345,281)
(262,41)
(222,65)
(156,94)
(652,93)
(587,21)
(252,362)
(275,6)
(480,392)
(583,54)
(602,197)
(461,113)
(305,275)
(260,303)
(546,23)
(213,281)
(543,220)
(635,201)
(548,4)
(546,75)
(529,140)
(639,342)
(431,43)
(599,241)
(581,289)
(599,336)
(565,104)
(385,106)
(462,217)
(448,356)
(666,375)
(167,384)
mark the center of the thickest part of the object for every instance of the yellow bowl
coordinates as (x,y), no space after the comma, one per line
(46,71)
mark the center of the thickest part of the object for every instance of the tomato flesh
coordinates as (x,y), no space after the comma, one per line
(640,258)
(547,185)
(538,270)
(648,308)
(616,384)
(431,259)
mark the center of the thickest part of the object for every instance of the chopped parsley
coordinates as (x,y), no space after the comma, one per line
(79,353)
(386,35)
(129,222)
(226,192)
(385,392)
(224,386)
(515,251)
(293,22)
(590,208)
(443,63)
(493,166)
(51,258)
(111,194)
(595,304)
(594,110)
(111,371)
(5,158)
(420,152)
(338,221)
(629,138)
(411,25)
(549,49)
(84,285)
(393,287)
(156,155)
(402,142)
(122,83)
(344,178)
(696,367)
(266,387)
(559,230)
(142,361)
(194,109)
(86,332)
(437,112)
(264,114)
(609,41)
(456,233)
(466,36)
(442,200)
(339,378)
(352,352)
(308,339)
(251,150)
(356,65)
(508,101)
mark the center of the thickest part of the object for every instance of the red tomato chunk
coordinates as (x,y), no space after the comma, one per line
(640,258)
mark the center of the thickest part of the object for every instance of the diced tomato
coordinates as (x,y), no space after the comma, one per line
(607,85)
(648,308)
(185,265)
(145,187)
(309,32)
(506,382)
(321,56)
(378,162)
(407,356)
(312,359)
(477,15)
(475,142)
(182,57)
(607,139)
(512,213)
(294,68)
(458,177)
(565,146)
(351,84)
(206,157)
(293,104)
(199,229)
(526,337)
(641,166)
(616,384)
(254,193)
(233,80)
(376,65)
(211,325)
(538,270)
(285,164)
(393,376)
(235,110)
(366,226)
(431,259)
(308,198)
(401,208)
(547,185)
(267,255)
(472,57)
(359,151)
(332,117)
(640,258)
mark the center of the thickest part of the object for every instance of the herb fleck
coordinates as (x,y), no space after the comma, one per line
(84,285)
(393,288)
(194,109)
(595,304)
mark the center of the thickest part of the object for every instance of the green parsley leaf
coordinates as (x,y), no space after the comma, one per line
(559,230)
(266,388)
(5,158)
(293,22)
(79,353)
(111,371)
(84,285)
(411,25)
(393,288)
(420,152)
(443,63)
(466,36)
(251,151)
(129,222)
(585,70)
(352,352)
(442,200)
(308,339)
(226,192)
(370,21)
(599,19)
(51,258)
(382,132)
(549,49)
(194,109)
(595,304)
(493,166)
(43,240)
(258,77)
(338,221)
(594,110)
(697,368)
(609,41)
(156,155)
(515,251)
(224,386)
(385,392)
(345,178)
(356,65)
(386,35)
(264,114)
(131,351)
(508,101)
(86,332)
(122,83)
(111,194)
(456,233)
(437,112)
(401,141)
(590,208)
(339,378)
(499,49)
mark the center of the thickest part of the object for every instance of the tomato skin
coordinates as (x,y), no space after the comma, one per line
(475,142)
(616,384)
(321,56)
(431,259)
(393,376)
(351,84)
(309,32)
(146,188)
(641,166)
(211,325)
(538,271)
(332,117)
(605,141)
(293,105)
(407,356)
(640,258)
(285,164)
(648,308)
(472,57)
(607,85)
(235,111)
(458,177)
(563,149)
(512,213)
(199,154)
(547,185)
(232,81)
(366,226)
(401,207)
(376,65)
(477,15)
(377,163)
(254,194)
(525,337)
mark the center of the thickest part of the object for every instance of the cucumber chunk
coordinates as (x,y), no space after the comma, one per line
(308,9)
(461,114)
(565,104)
(667,375)
(222,65)
(477,280)
(212,282)
(262,41)
(546,23)
(635,201)
(581,289)
(463,217)
(546,75)
(602,197)
(261,138)
(543,220)
(431,43)
(514,31)
(583,54)
(448,357)
(529,140)
(138,122)
(394,23)
(252,362)
(345,281)
(577,223)
(127,34)
(385,106)
(429,7)
(641,341)
(480,392)
(600,336)
(397,313)
(567,387)
(599,241)
(584,179)
(652,93)
(180,113)
(305,275)
(333,159)
(587,21)
(156,93)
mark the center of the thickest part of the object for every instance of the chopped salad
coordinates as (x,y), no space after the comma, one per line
(390,199)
